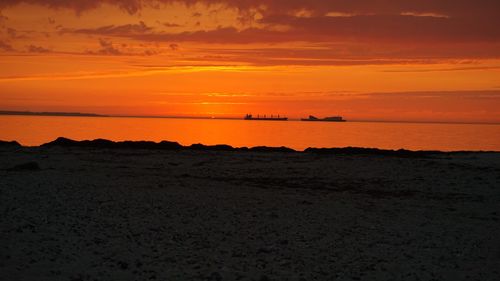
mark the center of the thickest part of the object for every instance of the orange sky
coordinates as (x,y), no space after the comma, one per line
(383,60)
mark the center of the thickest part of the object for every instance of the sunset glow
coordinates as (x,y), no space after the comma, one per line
(365,60)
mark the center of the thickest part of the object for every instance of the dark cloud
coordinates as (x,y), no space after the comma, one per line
(170,24)
(4,46)
(399,29)
(220,35)
(316,7)
(12,32)
(107,48)
(173,47)
(37,49)
(388,28)
(114,30)
(131,6)
(150,53)
(18,34)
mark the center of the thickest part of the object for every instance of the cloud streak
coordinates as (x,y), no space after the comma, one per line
(441,7)
(37,49)
(114,30)
(4,46)
(137,71)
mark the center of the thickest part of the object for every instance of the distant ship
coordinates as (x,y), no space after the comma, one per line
(326,119)
(264,118)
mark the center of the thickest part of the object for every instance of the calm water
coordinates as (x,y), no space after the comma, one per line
(35,130)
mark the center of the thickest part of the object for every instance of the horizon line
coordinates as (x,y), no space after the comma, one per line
(96,115)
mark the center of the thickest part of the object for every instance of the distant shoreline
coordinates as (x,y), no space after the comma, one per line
(78,114)
(68,114)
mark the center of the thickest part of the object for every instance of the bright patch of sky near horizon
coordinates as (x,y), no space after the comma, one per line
(407,61)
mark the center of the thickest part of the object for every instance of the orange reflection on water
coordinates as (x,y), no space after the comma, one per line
(36,130)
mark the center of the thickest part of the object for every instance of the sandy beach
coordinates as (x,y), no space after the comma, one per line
(83,212)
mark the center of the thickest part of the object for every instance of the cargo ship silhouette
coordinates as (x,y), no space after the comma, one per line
(265,118)
(326,119)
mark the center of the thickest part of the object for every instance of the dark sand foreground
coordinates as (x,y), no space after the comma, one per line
(84,213)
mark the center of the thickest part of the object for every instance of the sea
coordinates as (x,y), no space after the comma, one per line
(36,130)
